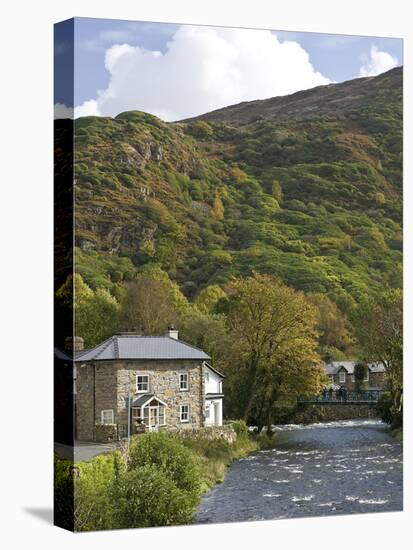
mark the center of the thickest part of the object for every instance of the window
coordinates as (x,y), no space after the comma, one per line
(342,376)
(107,416)
(184,413)
(207,410)
(142,383)
(332,379)
(353,378)
(366,375)
(183,381)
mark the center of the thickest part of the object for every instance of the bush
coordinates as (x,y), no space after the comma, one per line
(384,406)
(240,428)
(63,493)
(93,492)
(169,456)
(147,497)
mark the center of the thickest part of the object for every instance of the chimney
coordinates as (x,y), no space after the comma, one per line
(75,343)
(172,332)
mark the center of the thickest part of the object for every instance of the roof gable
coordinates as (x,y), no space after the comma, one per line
(335,366)
(131,347)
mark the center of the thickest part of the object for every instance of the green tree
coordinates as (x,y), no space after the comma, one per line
(208,297)
(379,329)
(96,313)
(360,371)
(277,191)
(206,331)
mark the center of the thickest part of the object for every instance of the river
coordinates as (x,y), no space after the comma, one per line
(344,467)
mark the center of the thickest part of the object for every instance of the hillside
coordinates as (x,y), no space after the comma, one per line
(307,187)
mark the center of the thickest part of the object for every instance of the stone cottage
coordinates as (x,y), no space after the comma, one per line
(130,381)
(341,373)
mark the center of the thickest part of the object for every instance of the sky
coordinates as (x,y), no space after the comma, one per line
(179,71)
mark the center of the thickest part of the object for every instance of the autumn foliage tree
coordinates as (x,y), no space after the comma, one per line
(148,306)
(274,352)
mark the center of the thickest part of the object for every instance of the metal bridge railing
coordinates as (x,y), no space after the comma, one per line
(344,396)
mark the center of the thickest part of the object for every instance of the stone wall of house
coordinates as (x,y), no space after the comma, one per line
(105,389)
(108,386)
(164,383)
(376,380)
(307,413)
(84,403)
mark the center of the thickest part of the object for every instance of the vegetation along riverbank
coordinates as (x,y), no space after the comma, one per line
(158,481)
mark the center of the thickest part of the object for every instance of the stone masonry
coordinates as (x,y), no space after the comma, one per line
(107,385)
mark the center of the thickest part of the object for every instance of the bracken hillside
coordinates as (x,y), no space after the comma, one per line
(307,187)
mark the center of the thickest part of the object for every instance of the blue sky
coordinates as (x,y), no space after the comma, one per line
(174,71)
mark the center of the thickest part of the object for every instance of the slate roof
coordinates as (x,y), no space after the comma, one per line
(141,347)
(335,366)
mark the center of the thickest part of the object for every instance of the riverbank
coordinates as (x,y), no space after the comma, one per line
(397,434)
(214,457)
(158,480)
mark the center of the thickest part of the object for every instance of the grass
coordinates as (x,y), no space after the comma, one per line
(214,457)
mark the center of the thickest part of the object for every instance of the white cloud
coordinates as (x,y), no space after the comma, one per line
(87,108)
(62,111)
(377,62)
(201,70)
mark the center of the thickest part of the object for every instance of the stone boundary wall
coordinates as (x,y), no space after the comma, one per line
(314,413)
(208,432)
(106,433)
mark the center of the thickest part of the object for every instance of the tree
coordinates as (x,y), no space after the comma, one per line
(360,371)
(332,325)
(217,210)
(147,306)
(379,329)
(96,313)
(206,331)
(208,298)
(277,191)
(274,346)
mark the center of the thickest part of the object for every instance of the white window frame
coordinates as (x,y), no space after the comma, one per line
(141,375)
(102,416)
(181,413)
(342,377)
(186,374)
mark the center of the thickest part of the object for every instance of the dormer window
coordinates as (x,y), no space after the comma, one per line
(342,377)
(183,381)
(142,383)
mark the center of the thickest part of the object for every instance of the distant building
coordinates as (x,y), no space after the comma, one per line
(341,373)
(158,381)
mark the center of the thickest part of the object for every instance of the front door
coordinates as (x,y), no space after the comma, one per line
(153,419)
